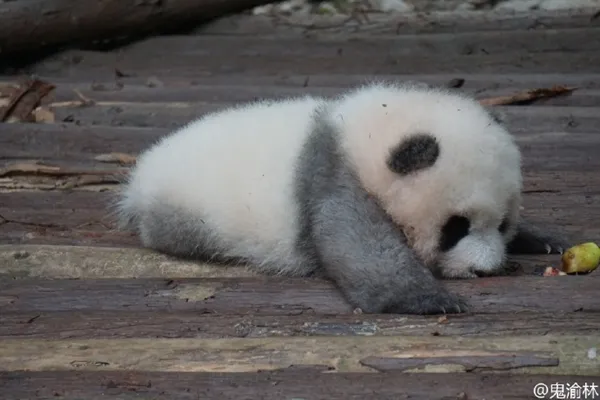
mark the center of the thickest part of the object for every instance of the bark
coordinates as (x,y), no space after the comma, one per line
(31,26)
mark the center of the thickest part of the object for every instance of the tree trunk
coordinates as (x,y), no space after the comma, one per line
(32,26)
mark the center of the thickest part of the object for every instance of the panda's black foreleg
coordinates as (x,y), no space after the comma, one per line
(368,258)
(531,239)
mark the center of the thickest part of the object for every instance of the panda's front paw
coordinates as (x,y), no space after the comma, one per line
(422,300)
(533,240)
(438,302)
(554,244)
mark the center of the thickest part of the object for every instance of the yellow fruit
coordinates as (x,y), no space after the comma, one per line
(582,258)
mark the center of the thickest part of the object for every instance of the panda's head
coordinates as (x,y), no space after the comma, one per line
(443,167)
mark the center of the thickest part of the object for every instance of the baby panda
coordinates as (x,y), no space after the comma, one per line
(385,190)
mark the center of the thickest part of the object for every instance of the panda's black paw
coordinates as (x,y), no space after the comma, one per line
(531,239)
(435,302)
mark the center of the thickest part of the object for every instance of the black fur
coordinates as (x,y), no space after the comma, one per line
(176,232)
(355,243)
(416,153)
(456,228)
(531,239)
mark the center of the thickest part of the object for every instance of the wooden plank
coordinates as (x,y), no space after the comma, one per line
(287,296)
(71,262)
(552,198)
(540,130)
(55,234)
(178,98)
(292,383)
(551,354)
(562,201)
(413,45)
(242,60)
(72,142)
(399,23)
(172,106)
(179,94)
(575,115)
(22,261)
(166,324)
(362,48)
(477,83)
(60,262)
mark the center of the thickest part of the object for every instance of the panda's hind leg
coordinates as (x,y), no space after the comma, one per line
(178,232)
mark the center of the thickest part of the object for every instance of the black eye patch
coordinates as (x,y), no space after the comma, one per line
(414,154)
(456,228)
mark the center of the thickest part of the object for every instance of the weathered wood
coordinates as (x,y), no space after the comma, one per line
(123,324)
(72,142)
(476,83)
(342,354)
(399,23)
(59,23)
(575,118)
(171,106)
(36,233)
(59,262)
(71,262)
(237,59)
(27,96)
(554,199)
(292,383)
(495,361)
(361,48)
(270,295)
(541,131)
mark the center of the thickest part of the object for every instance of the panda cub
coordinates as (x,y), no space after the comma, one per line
(384,190)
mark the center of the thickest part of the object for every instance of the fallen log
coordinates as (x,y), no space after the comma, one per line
(34,26)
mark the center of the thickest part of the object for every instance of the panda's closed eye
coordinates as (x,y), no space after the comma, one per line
(456,228)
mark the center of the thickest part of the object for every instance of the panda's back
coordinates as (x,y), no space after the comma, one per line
(234,171)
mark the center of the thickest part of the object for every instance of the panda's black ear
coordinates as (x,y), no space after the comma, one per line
(418,152)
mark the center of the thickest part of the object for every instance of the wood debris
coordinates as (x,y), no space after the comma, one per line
(121,158)
(35,175)
(24,100)
(43,114)
(528,96)
(35,168)
(477,361)
(73,177)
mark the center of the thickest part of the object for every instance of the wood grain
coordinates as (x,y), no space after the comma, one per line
(342,354)
(285,296)
(166,323)
(312,383)
(383,24)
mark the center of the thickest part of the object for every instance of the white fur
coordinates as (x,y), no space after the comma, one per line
(236,168)
(478,173)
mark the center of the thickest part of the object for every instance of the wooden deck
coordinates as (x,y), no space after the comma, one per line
(86,314)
